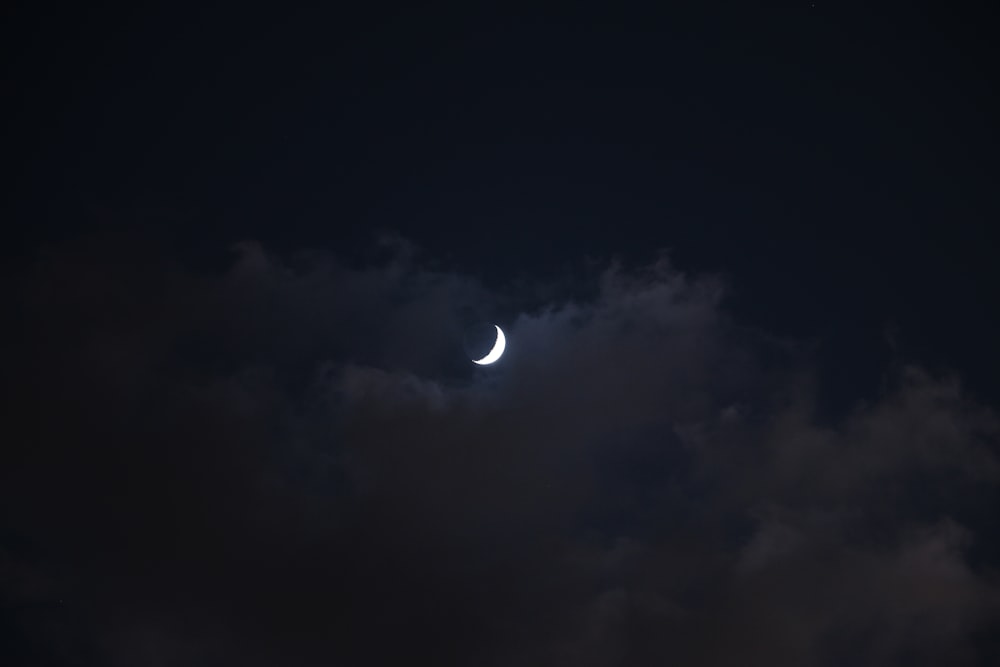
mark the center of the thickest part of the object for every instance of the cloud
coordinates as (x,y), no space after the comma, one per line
(290,462)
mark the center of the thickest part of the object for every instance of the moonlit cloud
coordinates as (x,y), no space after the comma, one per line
(291,462)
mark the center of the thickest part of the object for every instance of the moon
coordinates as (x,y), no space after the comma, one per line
(496,352)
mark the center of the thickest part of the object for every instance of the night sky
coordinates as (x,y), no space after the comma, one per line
(745,260)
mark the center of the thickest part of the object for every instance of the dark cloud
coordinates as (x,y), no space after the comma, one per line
(289,462)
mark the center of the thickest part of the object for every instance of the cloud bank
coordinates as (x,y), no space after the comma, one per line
(289,462)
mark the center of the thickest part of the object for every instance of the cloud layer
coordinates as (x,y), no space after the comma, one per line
(290,462)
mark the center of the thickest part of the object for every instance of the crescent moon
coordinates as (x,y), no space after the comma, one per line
(496,352)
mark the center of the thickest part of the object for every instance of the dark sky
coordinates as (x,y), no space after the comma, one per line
(746,263)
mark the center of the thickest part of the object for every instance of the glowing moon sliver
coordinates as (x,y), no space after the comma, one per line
(496,352)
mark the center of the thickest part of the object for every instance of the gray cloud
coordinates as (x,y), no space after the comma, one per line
(290,462)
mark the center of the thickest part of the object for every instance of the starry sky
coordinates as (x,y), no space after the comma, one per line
(744,259)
